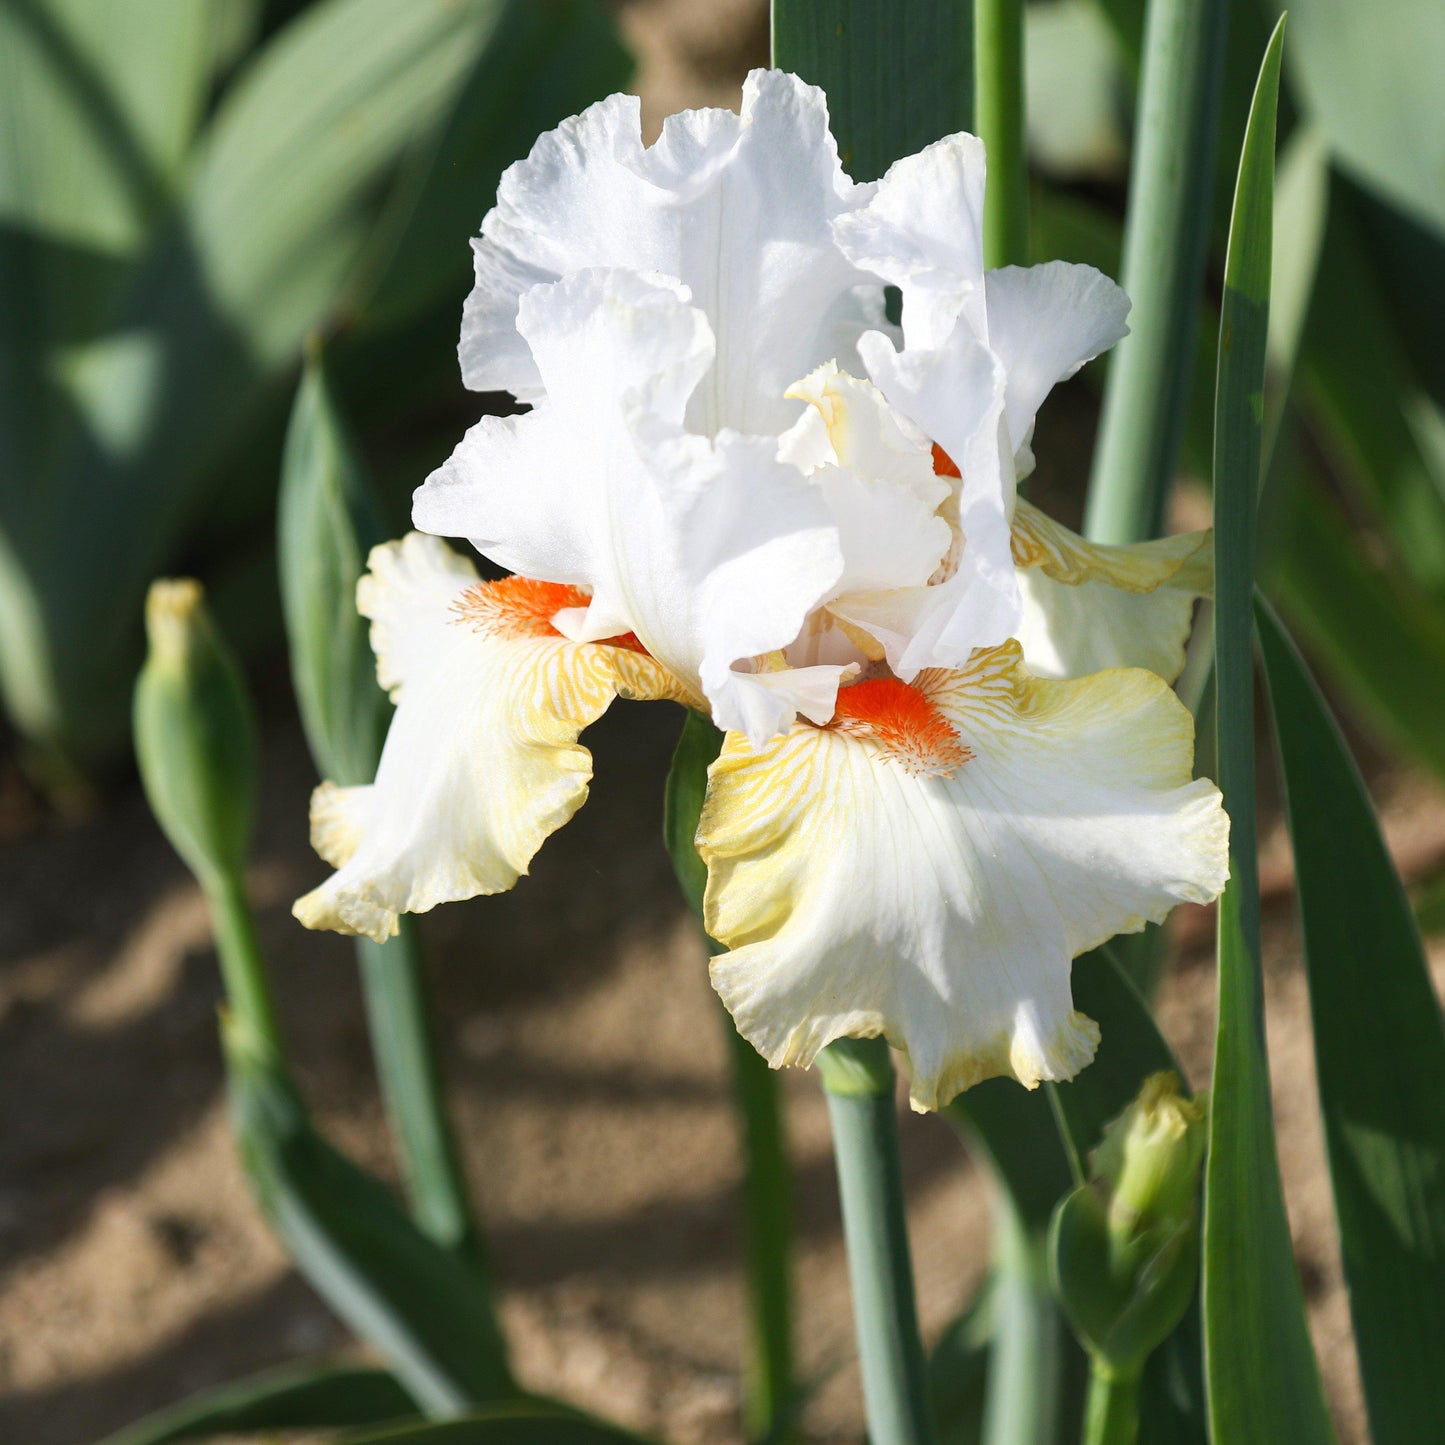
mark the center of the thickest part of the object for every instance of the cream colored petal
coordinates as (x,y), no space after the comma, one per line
(929,876)
(481,762)
(1088,606)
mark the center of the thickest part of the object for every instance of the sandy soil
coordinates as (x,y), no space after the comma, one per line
(586,1062)
(587,1069)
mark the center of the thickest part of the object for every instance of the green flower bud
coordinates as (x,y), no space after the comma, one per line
(1125,1246)
(1151,1155)
(328,522)
(194,737)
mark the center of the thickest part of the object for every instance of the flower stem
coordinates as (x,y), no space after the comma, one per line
(858,1080)
(999,111)
(243,970)
(1111,1410)
(394,987)
(1025,1375)
(767,1180)
(768,1212)
(1166,234)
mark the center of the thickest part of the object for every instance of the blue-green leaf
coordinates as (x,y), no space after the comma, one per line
(1378,634)
(897,76)
(773,1397)
(294,1397)
(327,522)
(1371,77)
(423,1308)
(526,1422)
(1262,1375)
(1380,1057)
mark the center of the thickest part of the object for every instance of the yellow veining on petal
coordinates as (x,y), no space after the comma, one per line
(1185,562)
(482,761)
(858,899)
(1089,607)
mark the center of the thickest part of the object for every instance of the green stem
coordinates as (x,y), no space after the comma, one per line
(999,109)
(767,1180)
(1111,1410)
(243,970)
(1025,1373)
(394,987)
(858,1080)
(768,1217)
(1165,238)
(1032,1362)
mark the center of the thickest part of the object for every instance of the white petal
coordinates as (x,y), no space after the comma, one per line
(1088,606)
(763,704)
(955,395)
(711,550)
(876,471)
(406,587)
(923,232)
(889,538)
(930,875)
(759,550)
(736,207)
(481,762)
(1045,322)
(866,435)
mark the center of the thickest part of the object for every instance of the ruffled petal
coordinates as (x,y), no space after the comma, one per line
(955,395)
(736,207)
(1044,323)
(876,472)
(711,550)
(1088,606)
(481,762)
(927,867)
(923,232)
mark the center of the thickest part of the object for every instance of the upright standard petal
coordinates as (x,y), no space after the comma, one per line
(712,550)
(923,232)
(927,867)
(736,207)
(1089,606)
(1044,323)
(955,395)
(876,471)
(481,763)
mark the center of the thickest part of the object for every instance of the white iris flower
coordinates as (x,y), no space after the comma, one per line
(740,488)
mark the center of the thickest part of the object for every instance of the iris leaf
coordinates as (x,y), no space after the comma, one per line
(1380,1057)
(1262,1375)
(424,1309)
(525,1422)
(327,522)
(295,1397)
(144,344)
(773,1396)
(897,76)
(1374,630)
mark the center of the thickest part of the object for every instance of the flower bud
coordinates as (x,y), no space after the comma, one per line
(1125,1246)
(328,521)
(194,738)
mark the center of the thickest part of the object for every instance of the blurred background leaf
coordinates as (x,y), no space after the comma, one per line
(1381,1067)
(165,247)
(1360,233)
(295,1397)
